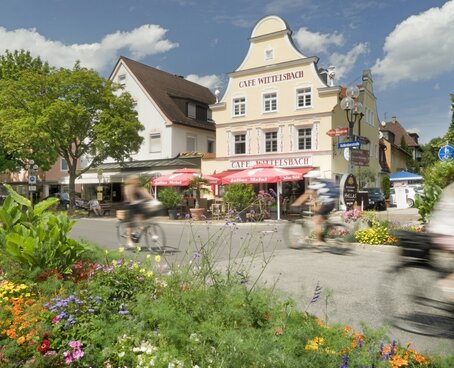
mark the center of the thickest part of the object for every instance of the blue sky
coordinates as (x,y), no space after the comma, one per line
(408,44)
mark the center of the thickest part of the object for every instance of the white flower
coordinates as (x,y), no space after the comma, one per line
(121,355)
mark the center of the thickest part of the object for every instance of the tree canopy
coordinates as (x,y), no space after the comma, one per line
(13,66)
(72,113)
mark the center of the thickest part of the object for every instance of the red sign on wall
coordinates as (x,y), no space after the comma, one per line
(338,132)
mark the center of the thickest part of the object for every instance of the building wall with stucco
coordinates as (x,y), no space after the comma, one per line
(306,108)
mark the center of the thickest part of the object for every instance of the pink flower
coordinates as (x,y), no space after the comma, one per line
(55,320)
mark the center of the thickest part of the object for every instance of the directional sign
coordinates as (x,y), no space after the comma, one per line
(348,144)
(446,153)
(338,132)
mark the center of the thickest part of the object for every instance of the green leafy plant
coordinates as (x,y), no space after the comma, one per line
(169,198)
(36,239)
(239,196)
(386,186)
(198,184)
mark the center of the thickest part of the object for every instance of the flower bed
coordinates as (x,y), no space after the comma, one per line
(103,310)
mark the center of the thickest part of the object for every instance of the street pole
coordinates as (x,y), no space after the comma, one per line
(354,113)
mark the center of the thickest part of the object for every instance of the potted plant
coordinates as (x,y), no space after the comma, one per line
(198,184)
(170,199)
(240,198)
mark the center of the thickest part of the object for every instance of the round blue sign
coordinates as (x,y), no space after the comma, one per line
(446,153)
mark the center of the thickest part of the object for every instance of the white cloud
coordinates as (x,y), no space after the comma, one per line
(344,63)
(210,81)
(314,43)
(419,48)
(140,42)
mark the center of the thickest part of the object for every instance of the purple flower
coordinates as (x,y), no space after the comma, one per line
(344,362)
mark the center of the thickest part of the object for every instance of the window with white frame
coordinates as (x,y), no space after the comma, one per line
(239,106)
(270,141)
(122,79)
(304,138)
(240,144)
(191,143)
(304,97)
(270,102)
(63,165)
(155,142)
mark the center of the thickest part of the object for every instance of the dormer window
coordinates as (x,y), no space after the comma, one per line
(191,110)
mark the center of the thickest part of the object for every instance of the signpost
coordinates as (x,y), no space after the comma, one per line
(338,132)
(446,153)
(348,144)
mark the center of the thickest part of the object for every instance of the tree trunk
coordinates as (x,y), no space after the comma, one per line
(72,188)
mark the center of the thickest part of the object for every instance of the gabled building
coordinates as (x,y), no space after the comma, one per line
(399,146)
(178,127)
(279,107)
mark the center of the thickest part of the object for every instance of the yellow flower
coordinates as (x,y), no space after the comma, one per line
(314,343)
(157,258)
(121,249)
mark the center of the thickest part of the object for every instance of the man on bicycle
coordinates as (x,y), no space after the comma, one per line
(324,193)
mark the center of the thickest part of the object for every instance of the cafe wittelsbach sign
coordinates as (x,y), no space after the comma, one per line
(267,79)
(278,162)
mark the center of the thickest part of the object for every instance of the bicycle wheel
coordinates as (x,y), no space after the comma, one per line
(155,238)
(297,234)
(411,300)
(122,233)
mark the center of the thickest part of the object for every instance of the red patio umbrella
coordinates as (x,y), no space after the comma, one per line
(181,178)
(264,173)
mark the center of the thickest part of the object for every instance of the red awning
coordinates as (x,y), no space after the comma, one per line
(302,170)
(222,174)
(225,173)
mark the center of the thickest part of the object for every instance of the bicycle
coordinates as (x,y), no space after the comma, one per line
(410,296)
(300,233)
(146,233)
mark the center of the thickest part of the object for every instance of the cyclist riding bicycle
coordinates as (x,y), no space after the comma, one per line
(324,193)
(135,197)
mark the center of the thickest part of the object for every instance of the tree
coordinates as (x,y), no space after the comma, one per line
(70,113)
(450,134)
(365,176)
(430,152)
(12,67)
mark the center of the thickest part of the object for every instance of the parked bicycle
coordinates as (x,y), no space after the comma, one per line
(146,232)
(411,295)
(300,233)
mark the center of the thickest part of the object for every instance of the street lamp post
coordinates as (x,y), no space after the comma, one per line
(31,168)
(354,112)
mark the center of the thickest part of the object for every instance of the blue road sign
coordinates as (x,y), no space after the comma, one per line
(446,153)
(348,144)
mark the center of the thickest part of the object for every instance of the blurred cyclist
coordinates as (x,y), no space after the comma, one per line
(135,195)
(441,226)
(324,192)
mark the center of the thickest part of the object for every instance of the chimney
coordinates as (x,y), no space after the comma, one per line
(394,119)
